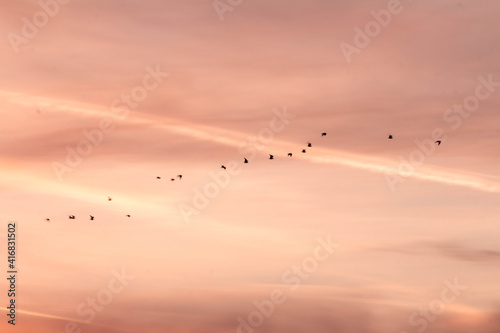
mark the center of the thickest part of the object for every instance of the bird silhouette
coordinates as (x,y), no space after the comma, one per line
(172,179)
(72,217)
(290,154)
(223,167)
(304,151)
(48,220)
(438,142)
(91,218)
(110,198)
(271,157)
(323,134)
(246,161)
(127,215)
(179,176)
(390,137)
(309,144)
(158,177)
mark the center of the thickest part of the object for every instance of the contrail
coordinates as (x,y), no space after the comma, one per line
(43,315)
(66,319)
(235,140)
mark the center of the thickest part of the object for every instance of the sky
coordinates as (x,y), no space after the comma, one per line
(360,233)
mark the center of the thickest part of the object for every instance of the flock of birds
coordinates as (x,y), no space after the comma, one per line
(245,160)
(172,179)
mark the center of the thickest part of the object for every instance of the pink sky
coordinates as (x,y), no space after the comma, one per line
(226,81)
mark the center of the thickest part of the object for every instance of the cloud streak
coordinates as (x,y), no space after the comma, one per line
(450,249)
(234,139)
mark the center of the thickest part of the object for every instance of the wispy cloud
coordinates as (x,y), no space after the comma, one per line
(235,139)
(451,249)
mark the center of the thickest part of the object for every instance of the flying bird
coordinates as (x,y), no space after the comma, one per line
(48,220)
(323,134)
(246,161)
(438,142)
(127,215)
(110,198)
(91,218)
(271,157)
(158,177)
(172,179)
(309,144)
(223,167)
(304,151)
(179,176)
(290,154)
(72,217)
(390,137)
